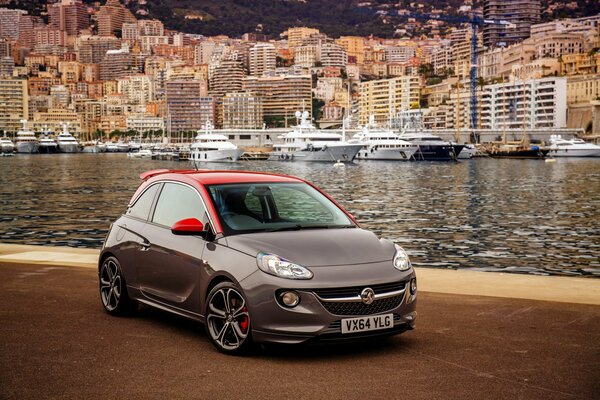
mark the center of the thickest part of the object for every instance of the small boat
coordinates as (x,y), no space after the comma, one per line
(213,147)
(66,142)
(432,147)
(142,153)
(468,152)
(6,145)
(47,143)
(560,147)
(26,141)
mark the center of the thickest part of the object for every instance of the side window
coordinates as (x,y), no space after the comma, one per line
(177,202)
(141,208)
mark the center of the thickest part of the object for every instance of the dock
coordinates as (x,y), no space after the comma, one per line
(478,335)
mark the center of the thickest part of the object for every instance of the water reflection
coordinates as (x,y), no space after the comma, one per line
(501,215)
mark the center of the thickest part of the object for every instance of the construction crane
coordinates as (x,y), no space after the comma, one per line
(475,22)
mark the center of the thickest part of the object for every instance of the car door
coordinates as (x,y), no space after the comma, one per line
(169,267)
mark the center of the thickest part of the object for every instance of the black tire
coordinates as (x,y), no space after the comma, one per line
(227,319)
(113,289)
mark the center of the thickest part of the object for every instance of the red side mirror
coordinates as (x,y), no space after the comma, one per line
(188,226)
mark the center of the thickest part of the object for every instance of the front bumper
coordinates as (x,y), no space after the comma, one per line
(314,320)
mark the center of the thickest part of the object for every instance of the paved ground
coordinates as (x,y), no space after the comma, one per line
(57,342)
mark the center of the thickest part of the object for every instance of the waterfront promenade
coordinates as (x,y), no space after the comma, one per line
(479,335)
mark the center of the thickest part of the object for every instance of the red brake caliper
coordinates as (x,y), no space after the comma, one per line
(244,321)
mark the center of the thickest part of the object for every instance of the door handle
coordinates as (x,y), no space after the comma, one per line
(144,246)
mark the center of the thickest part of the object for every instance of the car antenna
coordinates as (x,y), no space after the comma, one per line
(196,166)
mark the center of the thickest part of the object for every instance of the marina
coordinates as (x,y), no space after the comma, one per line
(521,216)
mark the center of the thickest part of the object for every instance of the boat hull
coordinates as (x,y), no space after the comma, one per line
(342,153)
(68,148)
(574,153)
(387,154)
(7,148)
(520,154)
(225,155)
(443,152)
(27,147)
(47,149)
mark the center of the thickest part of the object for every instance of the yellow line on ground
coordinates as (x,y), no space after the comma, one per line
(464,282)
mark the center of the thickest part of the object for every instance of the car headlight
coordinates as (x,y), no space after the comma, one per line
(401,260)
(279,266)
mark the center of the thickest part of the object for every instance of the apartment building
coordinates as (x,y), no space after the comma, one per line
(143,123)
(68,16)
(355,47)
(261,58)
(138,88)
(522,13)
(226,78)
(116,64)
(580,64)
(583,89)
(282,95)
(383,98)
(9,23)
(14,103)
(297,34)
(92,49)
(529,104)
(332,55)
(183,99)
(242,111)
(111,17)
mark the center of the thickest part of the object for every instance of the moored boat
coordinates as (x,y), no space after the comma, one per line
(382,144)
(575,147)
(6,145)
(26,142)
(213,147)
(47,143)
(66,142)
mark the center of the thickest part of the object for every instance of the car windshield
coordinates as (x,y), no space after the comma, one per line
(270,207)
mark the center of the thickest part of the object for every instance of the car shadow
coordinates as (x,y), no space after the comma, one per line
(310,351)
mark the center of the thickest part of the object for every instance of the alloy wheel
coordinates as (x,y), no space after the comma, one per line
(227,318)
(110,285)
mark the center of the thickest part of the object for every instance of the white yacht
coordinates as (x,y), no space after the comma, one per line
(26,140)
(382,144)
(47,143)
(307,143)
(6,145)
(213,147)
(560,147)
(117,147)
(468,152)
(66,142)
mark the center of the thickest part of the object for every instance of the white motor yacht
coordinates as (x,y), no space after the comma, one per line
(307,143)
(213,147)
(47,143)
(66,142)
(382,144)
(6,145)
(560,147)
(26,140)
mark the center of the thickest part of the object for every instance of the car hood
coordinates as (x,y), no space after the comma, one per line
(315,248)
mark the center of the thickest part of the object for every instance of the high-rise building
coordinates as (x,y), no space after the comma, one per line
(262,57)
(111,17)
(282,95)
(521,13)
(9,23)
(332,55)
(226,78)
(544,102)
(7,65)
(242,111)
(92,49)
(14,103)
(138,88)
(295,35)
(183,105)
(385,97)
(69,16)
(116,64)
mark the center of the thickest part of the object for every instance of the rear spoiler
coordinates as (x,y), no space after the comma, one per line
(155,172)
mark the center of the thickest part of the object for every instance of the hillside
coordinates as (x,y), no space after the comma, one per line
(334,17)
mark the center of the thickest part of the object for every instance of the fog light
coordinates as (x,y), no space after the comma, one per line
(413,286)
(290,299)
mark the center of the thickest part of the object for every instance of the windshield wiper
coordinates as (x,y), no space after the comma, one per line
(298,227)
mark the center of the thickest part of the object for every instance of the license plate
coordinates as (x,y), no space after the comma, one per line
(364,324)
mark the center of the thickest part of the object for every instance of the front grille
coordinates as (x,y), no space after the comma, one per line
(360,308)
(355,290)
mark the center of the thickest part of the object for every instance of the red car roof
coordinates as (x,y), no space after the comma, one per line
(210,177)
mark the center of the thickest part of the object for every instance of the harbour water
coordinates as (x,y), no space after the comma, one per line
(521,216)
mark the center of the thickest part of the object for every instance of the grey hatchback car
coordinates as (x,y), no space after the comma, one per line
(258,258)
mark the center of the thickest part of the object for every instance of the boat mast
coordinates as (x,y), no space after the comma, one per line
(458,110)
